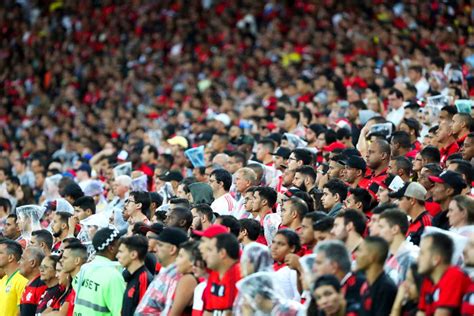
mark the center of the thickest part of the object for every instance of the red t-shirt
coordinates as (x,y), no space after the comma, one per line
(447,293)
(32,295)
(448,151)
(467,307)
(219,295)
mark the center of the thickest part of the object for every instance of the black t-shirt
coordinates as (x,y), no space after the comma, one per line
(351,288)
(137,283)
(441,220)
(377,299)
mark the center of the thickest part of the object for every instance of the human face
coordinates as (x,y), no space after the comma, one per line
(241,184)
(298,180)
(172,219)
(232,165)
(183,262)
(425,264)
(56,226)
(322,265)
(68,261)
(457,125)
(423,180)
(363,257)
(328,299)
(164,251)
(214,184)
(62,276)
(180,192)
(248,201)
(350,203)
(439,193)
(352,112)
(382,195)
(320,141)
(339,229)
(124,256)
(469,252)
(417,163)
(130,208)
(34,242)
(310,135)
(374,156)
(457,216)
(257,202)
(405,204)
(287,178)
(468,149)
(307,233)
(280,248)
(394,102)
(47,270)
(262,152)
(374,225)
(328,199)
(212,255)
(145,155)
(26,263)
(443,131)
(385,231)
(334,170)
(196,223)
(292,162)
(350,175)
(80,213)
(322,235)
(11,229)
(286,213)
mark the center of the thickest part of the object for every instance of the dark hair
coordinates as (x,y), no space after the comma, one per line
(362,196)
(291,237)
(143,198)
(337,186)
(156,198)
(442,245)
(78,250)
(5,203)
(416,68)
(184,214)
(14,179)
(434,168)
(330,136)
(169,158)
(45,236)
(206,210)
(232,223)
(294,114)
(315,216)
(356,218)
(464,168)
(152,149)
(451,110)
(397,93)
(396,217)
(268,143)
(307,171)
(404,164)
(223,176)
(230,244)
(467,119)
(327,280)
(54,259)
(304,155)
(381,247)
(252,227)
(239,157)
(64,217)
(413,125)
(85,203)
(13,248)
(299,205)
(324,225)
(383,207)
(191,247)
(14,216)
(343,133)
(136,243)
(402,138)
(181,202)
(73,190)
(431,154)
(267,193)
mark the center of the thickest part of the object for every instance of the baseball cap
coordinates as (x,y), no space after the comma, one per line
(451,178)
(172,175)
(334,146)
(178,140)
(283,152)
(416,191)
(246,140)
(155,228)
(354,162)
(223,118)
(399,193)
(212,231)
(85,167)
(172,235)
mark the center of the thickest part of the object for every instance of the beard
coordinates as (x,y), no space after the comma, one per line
(302,187)
(57,234)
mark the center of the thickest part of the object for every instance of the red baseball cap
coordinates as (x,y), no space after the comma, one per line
(333,146)
(212,231)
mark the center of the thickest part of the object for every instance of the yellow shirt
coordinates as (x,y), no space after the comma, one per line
(11,289)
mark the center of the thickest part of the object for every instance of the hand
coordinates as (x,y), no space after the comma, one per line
(293,261)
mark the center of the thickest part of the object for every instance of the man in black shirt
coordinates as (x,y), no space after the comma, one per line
(131,255)
(379,291)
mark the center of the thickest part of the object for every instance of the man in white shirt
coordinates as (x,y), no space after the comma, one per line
(415,74)
(395,105)
(220,181)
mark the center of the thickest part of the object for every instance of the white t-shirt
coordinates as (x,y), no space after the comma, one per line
(224,205)
(198,303)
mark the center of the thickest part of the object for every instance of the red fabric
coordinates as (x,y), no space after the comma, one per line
(448,151)
(219,295)
(447,293)
(467,307)
(432,207)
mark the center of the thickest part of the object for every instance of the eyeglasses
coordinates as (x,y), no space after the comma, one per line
(129,201)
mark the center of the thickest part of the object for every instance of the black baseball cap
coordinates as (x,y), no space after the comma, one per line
(451,178)
(283,152)
(173,235)
(354,162)
(172,175)
(400,193)
(155,228)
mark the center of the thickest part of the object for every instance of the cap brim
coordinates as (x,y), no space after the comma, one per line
(435,179)
(199,233)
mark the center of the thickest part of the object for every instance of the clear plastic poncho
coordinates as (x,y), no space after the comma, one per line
(123,169)
(96,188)
(140,184)
(58,205)
(261,297)
(50,187)
(255,258)
(29,219)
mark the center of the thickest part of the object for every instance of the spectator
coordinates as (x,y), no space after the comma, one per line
(328,295)
(48,275)
(220,181)
(42,239)
(292,213)
(461,215)
(30,268)
(334,194)
(249,231)
(349,226)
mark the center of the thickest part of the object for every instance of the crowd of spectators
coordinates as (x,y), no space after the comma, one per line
(236,157)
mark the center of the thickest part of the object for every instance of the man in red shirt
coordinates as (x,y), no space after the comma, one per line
(29,268)
(446,140)
(222,258)
(354,171)
(444,285)
(462,124)
(378,159)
